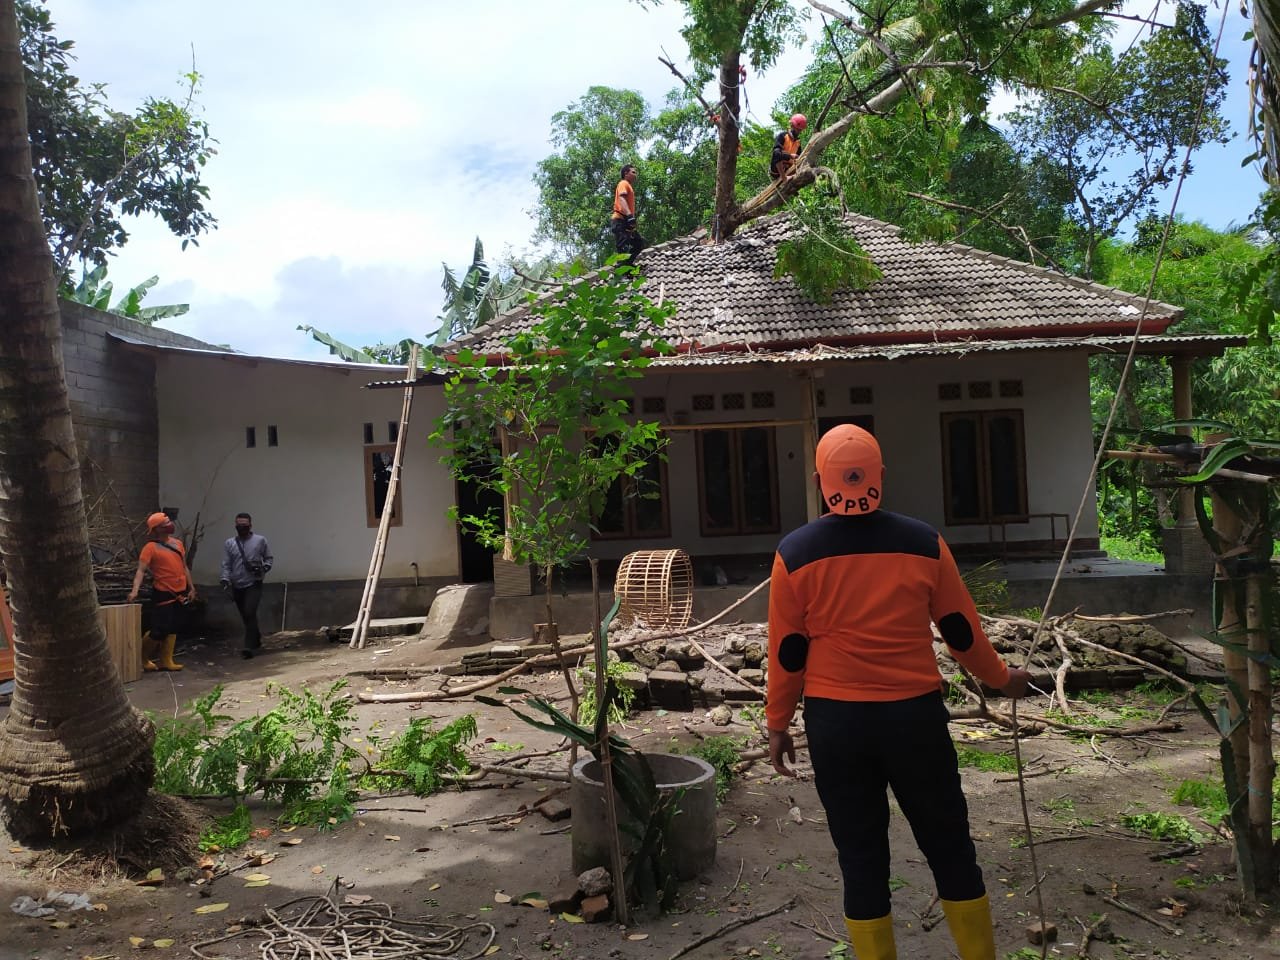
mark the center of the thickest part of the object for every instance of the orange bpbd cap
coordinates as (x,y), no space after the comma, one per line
(850,470)
(156,519)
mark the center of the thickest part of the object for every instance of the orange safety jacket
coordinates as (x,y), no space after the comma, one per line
(850,605)
(624,201)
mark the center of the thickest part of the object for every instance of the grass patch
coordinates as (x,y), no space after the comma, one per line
(229,832)
(723,754)
(1118,548)
(989,762)
(1163,826)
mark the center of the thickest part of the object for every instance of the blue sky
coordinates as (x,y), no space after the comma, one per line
(362,145)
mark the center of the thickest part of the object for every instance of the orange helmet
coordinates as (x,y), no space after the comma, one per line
(799,122)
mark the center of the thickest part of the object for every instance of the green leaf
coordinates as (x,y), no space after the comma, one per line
(1218,458)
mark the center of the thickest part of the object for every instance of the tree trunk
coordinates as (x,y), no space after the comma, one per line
(74,754)
(730,141)
(1262,761)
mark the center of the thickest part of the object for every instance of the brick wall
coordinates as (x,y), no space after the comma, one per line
(112,391)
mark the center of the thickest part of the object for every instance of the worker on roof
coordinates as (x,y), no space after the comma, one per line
(851,600)
(786,147)
(623,222)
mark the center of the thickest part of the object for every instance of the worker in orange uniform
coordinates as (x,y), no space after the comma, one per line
(623,221)
(786,147)
(165,558)
(850,605)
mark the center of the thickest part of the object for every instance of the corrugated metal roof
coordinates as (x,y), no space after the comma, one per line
(236,357)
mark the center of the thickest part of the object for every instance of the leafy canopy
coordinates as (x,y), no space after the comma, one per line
(95,165)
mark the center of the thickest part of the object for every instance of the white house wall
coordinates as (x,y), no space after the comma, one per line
(907,412)
(307,495)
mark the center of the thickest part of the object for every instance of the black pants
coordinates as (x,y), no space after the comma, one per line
(247,600)
(858,748)
(626,239)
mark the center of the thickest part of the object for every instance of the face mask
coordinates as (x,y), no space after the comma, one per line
(242,530)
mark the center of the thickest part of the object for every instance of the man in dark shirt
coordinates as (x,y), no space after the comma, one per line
(246,560)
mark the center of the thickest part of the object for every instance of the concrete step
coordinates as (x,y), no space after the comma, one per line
(390,627)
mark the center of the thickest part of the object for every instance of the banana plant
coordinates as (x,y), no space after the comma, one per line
(94,290)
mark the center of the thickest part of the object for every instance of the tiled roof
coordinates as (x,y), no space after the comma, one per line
(726,295)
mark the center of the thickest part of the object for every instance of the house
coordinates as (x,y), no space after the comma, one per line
(972,369)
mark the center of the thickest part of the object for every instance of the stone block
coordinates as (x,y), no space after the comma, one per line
(1038,933)
(595,881)
(734,661)
(555,810)
(668,666)
(670,690)
(753,653)
(506,651)
(565,900)
(595,909)
(735,643)
(755,677)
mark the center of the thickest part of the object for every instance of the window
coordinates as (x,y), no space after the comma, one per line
(636,507)
(368,433)
(704,401)
(984,466)
(762,399)
(393,431)
(273,435)
(654,404)
(250,436)
(737,481)
(860,396)
(377,481)
(980,390)
(948,391)
(733,401)
(1010,388)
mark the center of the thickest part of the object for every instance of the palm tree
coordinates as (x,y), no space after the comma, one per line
(74,754)
(1264,85)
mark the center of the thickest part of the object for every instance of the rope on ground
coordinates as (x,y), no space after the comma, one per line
(321,926)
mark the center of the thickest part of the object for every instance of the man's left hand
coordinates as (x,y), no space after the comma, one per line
(782,746)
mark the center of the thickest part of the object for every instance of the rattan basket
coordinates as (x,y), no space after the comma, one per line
(656,587)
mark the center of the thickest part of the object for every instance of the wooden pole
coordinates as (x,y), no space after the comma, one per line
(812,508)
(616,867)
(1229,527)
(364,614)
(1262,761)
(1182,411)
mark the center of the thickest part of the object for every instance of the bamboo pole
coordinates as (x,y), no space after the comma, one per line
(616,867)
(1262,762)
(364,614)
(1229,527)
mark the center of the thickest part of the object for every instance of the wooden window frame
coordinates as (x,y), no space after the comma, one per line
(629,530)
(740,529)
(397,505)
(984,467)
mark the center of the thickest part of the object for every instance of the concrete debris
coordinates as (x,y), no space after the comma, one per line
(595,881)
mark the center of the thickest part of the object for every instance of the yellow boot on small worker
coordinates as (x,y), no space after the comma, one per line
(970,923)
(149,648)
(166,653)
(872,939)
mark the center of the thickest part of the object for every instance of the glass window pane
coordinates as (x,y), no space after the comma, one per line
(757,478)
(1004,461)
(964,494)
(648,506)
(717,480)
(612,518)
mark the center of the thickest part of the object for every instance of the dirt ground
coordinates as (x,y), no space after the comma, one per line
(407,851)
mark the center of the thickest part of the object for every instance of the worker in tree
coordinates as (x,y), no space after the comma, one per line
(623,222)
(851,600)
(786,147)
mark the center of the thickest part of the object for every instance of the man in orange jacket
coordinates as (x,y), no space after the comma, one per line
(165,558)
(622,223)
(851,601)
(786,147)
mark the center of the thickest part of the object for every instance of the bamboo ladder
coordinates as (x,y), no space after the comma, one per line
(364,615)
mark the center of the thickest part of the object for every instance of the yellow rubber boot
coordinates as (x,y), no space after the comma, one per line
(148,652)
(970,923)
(872,939)
(166,653)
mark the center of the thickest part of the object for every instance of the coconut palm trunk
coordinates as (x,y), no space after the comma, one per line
(74,755)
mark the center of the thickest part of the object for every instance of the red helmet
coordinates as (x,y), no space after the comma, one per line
(799,122)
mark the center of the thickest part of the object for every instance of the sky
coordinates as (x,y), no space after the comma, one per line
(362,145)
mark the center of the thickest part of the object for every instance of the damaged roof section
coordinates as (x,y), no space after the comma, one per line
(727,297)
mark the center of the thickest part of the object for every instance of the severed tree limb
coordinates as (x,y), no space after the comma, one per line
(1060,675)
(732,925)
(1090,933)
(1134,911)
(1133,617)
